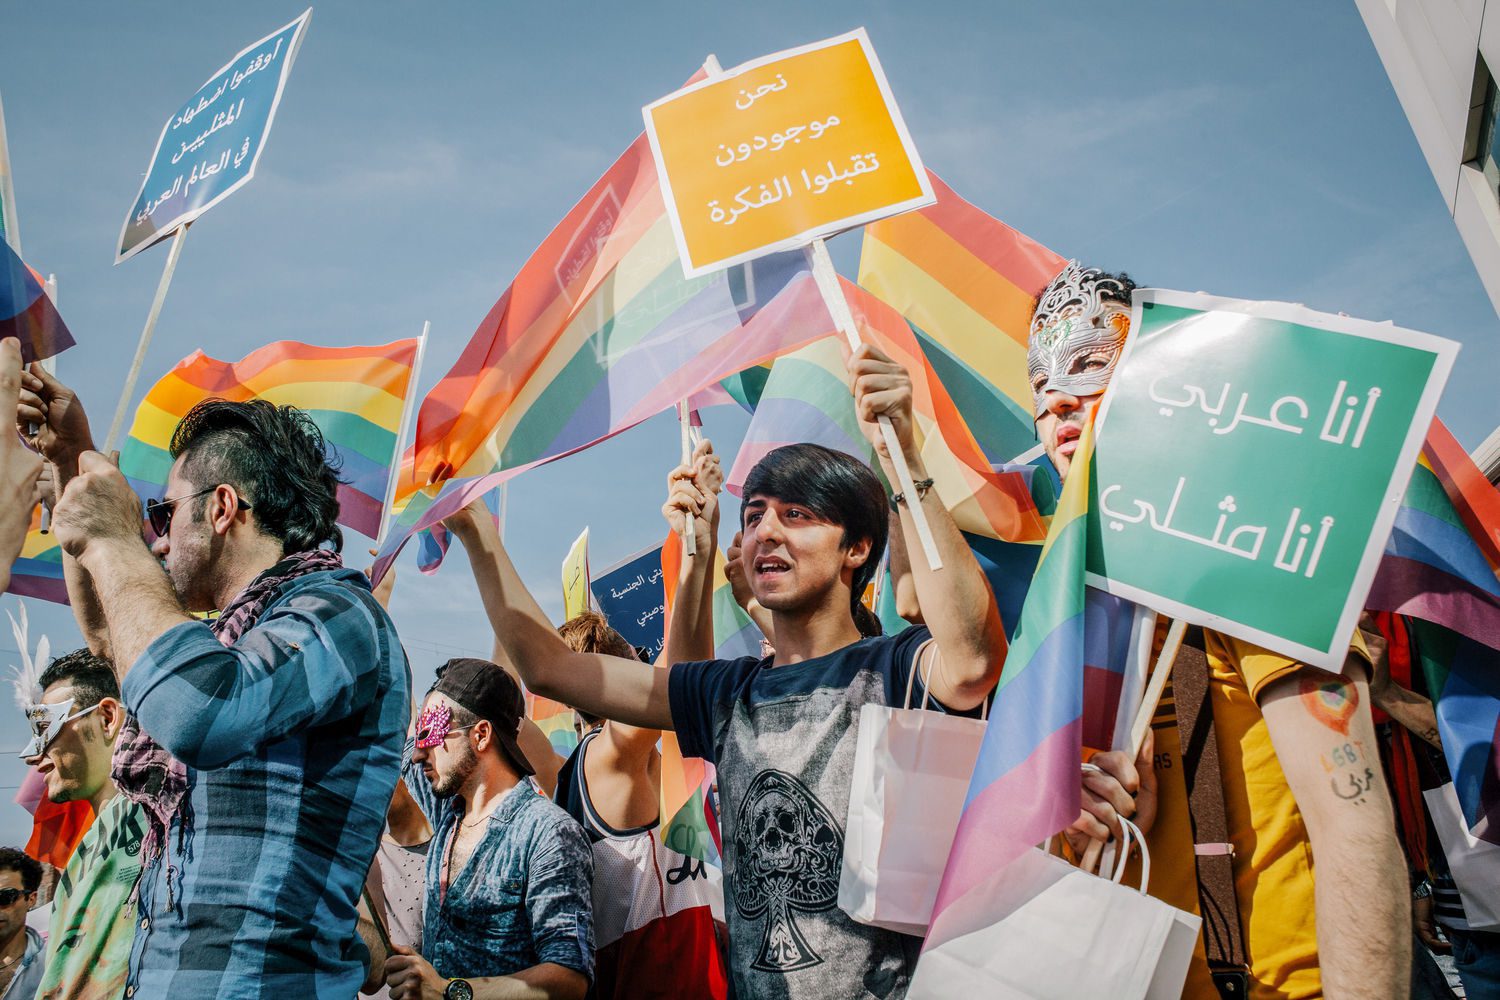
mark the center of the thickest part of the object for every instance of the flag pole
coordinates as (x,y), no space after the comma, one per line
(10,229)
(49,365)
(407,409)
(140,349)
(838,307)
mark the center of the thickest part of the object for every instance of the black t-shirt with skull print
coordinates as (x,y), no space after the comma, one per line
(783,741)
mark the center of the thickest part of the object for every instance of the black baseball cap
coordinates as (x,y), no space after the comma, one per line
(485,689)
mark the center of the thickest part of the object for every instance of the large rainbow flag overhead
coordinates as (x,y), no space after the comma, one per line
(1025,785)
(965,281)
(1442,567)
(356,396)
(599,331)
(26,311)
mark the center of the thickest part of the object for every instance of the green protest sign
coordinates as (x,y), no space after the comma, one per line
(1250,459)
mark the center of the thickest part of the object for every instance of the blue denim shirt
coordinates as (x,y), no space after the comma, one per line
(522,899)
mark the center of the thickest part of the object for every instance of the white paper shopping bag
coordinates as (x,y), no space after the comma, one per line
(1474,863)
(1044,930)
(911,773)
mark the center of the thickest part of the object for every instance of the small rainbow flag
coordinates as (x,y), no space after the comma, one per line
(356,396)
(26,311)
(966,282)
(555,720)
(599,331)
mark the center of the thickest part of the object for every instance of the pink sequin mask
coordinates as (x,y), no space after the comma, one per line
(434,725)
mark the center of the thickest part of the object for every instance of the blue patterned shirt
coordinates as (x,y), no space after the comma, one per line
(292,738)
(523,898)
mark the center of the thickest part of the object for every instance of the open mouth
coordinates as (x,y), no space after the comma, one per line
(1067,436)
(767,566)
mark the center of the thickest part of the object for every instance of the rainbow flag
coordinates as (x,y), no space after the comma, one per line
(356,396)
(26,311)
(555,720)
(966,281)
(599,331)
(38,572)
(1025,785)
(1440,568)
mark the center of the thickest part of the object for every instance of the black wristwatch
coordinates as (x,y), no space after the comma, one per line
(458,989)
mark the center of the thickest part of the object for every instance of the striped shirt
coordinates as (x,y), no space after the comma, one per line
(292,738)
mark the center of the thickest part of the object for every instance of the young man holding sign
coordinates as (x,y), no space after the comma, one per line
(1296,751)
(781,731)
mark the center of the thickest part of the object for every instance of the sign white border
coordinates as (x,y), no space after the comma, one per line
(300,23)
(802,239)
(1444,352)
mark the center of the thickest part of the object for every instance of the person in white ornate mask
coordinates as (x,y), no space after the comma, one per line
(1077,331)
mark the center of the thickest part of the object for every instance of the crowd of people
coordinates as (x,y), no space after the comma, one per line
(280,814)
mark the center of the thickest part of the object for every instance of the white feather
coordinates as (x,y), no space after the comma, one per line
(25,678)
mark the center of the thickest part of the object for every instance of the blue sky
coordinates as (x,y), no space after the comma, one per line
(422,151)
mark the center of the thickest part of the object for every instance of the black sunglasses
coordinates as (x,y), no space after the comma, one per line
(159,512)
(9,896)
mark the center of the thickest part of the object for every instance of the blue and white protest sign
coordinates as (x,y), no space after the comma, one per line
(210,145)
(633,597)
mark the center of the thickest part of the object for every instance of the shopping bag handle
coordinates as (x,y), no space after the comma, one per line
(984,706)
(1129,830)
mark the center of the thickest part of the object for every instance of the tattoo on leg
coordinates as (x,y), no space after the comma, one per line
(1332,702)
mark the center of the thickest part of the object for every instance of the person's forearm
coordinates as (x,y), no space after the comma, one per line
(956,601)
(540,982)
(690,631)
(1363,914)
(599,684)
(87,611)
(135,596)
(903,585)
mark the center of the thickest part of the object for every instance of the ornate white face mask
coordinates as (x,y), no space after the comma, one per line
(1076,334)
(47,721)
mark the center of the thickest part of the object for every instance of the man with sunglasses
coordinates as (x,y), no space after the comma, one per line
(508,872)
(20,946)
(265,743)
(75,723)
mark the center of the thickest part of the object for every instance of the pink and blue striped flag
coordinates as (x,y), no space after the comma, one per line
(27,313)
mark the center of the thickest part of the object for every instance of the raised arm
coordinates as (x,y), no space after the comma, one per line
(1321,728)
(608,686)
(63,434)
(956,601)
(734,571)
(19,468)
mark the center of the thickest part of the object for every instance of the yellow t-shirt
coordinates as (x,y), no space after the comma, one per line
(1273,865)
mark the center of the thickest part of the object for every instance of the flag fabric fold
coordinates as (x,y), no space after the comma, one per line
(965,282)
(27,312)
(599,331)
(1025,786)
(1442,568)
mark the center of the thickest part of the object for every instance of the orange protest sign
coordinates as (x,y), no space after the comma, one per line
(782,150)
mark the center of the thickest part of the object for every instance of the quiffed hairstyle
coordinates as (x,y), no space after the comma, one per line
(92,677)
(12,860)
(836,487)
(275,457)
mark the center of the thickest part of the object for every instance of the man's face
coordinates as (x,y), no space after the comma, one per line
(1061,425)
(13,917)
(76,763)
(453,761)
(791,557)
(187,549)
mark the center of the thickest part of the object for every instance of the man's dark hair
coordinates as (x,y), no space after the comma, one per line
(836,487)
(12,860)
(92,677)
(275,457)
